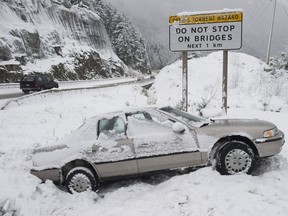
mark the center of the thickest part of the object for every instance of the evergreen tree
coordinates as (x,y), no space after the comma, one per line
(126,40)
(280,62)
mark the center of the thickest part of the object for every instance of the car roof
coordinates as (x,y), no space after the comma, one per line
(126,110)
(36,75)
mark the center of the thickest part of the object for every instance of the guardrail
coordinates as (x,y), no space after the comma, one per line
(144,84)
(9,85)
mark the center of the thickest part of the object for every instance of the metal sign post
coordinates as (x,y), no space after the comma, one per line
(185,80)
(270,34)
(225,81)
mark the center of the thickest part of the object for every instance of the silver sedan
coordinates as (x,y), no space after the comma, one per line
(134,142)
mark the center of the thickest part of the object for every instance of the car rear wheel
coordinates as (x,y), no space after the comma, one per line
(25,91)
(235,157)
(80,179)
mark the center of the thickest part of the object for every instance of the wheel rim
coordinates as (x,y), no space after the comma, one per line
(80,183)
(237,161)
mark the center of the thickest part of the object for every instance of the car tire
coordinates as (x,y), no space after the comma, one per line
(80,179)
(25,91)
(235,157)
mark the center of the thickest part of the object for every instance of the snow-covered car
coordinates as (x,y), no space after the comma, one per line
(139,141)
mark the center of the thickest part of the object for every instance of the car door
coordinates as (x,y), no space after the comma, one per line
(113,153)
(49,83)
(45,82)
(157,146)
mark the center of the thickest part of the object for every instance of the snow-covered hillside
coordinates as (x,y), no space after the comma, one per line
(72,39)
(45,118)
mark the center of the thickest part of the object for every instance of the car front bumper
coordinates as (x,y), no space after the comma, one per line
(53,174)
(270,146)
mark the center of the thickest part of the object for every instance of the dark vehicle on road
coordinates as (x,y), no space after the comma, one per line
(37,83)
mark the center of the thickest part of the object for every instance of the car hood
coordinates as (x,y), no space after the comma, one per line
(243,122)
(250,128)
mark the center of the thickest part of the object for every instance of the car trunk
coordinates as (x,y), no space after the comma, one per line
(29,82)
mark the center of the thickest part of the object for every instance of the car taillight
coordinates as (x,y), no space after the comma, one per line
(37,84)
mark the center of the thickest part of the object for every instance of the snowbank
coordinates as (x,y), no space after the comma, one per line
(46,118)
(249,86)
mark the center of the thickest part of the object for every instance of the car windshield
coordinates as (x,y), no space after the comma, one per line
(191,119)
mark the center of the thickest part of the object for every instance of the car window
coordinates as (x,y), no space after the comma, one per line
(119,126)
(44,79)
(28,78)
(111,127)
(141,115)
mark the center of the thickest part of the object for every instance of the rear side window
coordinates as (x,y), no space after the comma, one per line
(45,79)
(111,127)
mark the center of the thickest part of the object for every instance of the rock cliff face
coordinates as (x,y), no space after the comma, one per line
(71,39)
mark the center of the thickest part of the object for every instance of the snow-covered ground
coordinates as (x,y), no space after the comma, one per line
(46,118)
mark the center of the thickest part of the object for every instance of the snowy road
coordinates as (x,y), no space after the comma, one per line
(12,90)
(8,91)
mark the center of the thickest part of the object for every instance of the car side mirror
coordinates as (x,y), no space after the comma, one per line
(178,127)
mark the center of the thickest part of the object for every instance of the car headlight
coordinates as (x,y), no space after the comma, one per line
(270,133)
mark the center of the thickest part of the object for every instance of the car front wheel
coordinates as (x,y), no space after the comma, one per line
(235,157)
(80,179)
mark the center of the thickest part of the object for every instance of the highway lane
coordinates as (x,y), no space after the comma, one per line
(11,95)
(11,91)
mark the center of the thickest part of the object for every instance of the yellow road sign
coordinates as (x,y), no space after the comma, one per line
(207,18)
(206,31)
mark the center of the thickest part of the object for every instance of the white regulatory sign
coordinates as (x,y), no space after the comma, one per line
(205,32)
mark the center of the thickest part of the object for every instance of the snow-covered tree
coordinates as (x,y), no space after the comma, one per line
(280,62)
(159,55)
(126,40)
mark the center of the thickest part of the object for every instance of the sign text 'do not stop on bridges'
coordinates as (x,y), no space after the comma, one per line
(206,31)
